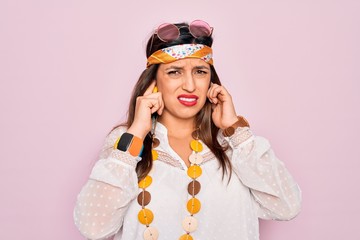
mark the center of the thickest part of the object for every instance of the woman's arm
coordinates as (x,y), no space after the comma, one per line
(104,199)
(273,188)
(113,183)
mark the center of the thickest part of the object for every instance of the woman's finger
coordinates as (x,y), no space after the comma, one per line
(213,93)
(218,93)
(150,89)
(155,105)
(209,92)
(154,102)
(161,102)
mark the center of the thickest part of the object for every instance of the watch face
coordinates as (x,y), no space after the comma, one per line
(125,141)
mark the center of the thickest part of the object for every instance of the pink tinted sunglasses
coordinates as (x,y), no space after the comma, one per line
(168,32)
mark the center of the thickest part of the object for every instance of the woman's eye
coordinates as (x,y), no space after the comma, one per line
(201,72)
(174,72)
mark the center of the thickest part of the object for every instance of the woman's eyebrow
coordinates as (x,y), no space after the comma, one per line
(201,67)
(180,68)
(174,68)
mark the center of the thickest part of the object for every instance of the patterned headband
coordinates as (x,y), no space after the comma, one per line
(174,53)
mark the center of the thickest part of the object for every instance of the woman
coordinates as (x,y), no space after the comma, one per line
(184,166)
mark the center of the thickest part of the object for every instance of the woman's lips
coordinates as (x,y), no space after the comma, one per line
(188,100)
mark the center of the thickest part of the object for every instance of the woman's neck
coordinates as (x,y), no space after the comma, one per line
(177,127)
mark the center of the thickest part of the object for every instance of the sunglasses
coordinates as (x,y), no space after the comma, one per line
(168,32)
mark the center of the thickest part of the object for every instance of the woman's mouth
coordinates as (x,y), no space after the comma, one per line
(188,100)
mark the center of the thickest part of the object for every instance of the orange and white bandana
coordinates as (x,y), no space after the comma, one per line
(174,53)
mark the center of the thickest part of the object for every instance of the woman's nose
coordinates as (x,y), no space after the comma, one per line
(189,83)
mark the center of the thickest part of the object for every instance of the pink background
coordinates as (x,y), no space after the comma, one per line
(67,68)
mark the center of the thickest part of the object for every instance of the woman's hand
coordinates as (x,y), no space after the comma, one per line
(146,105)
(224,114)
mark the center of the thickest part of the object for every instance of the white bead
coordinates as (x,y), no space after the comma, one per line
(196,158)
(151,233)
(190,224)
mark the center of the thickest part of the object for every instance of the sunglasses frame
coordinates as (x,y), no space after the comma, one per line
(178,31)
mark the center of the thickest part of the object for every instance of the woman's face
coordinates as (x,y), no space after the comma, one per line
(184,85)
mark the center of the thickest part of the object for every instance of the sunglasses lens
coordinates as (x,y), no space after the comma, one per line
(199,28)
(168,32)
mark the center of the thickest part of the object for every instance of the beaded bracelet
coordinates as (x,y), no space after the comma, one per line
(241,122)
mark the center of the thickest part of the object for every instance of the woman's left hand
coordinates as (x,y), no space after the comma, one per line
(224,114)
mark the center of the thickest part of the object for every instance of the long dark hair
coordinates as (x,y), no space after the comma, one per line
(208,131)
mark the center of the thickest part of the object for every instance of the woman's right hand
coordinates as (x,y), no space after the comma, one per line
(146,105)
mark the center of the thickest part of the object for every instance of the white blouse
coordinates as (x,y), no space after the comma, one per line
(260,187)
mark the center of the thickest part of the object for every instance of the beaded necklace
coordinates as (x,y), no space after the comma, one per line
(190,223)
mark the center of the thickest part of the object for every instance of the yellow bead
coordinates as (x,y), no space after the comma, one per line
(194,171)
(193,205)
(186,237)
(145,182)
(155,154)
(196,145)
(145,216)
